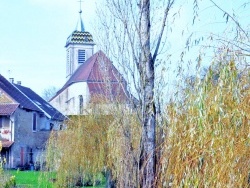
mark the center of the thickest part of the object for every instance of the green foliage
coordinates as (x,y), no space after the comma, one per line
(33,178)
(6,181)
(10,183)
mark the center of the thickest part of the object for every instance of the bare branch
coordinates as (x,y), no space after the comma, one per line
(229,16)
(170,4)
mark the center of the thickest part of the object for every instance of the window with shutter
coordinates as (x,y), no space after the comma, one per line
(81,56)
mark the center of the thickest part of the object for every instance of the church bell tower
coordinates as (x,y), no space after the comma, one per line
(79,47)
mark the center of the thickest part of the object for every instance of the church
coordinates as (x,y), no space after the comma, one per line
(90,77)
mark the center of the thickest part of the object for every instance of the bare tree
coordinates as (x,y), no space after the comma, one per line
(49,92)
(136,45)
(134,36)
(235,35)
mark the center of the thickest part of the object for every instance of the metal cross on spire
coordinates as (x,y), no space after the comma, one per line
(80,1)
(80,25)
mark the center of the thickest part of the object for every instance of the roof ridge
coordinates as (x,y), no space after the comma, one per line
(95,56)
(32,100)
(9,88)
(46,107)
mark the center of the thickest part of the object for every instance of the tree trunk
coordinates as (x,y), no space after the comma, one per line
(111,183)
(147,163)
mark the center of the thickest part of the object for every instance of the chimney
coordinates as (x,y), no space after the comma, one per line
(11,80)
(19,83)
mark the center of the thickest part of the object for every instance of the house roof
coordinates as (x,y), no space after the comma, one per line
(79,37)
(6,143)
(20,98)
(99,72)
(110,91)
(8,109)
(27,99)
(41,103)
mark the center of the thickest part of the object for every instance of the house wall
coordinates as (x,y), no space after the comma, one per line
(67,102)
(6,127)
(4,98)
(26,139)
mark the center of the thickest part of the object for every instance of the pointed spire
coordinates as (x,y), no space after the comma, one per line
(80,25)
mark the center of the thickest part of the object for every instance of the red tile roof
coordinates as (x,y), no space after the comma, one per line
(97,68)
(109,90)
(99,72)
(8,109)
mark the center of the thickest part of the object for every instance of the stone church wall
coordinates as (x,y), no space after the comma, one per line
(67,102)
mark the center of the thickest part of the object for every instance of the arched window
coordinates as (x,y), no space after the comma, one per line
(80,104)
(51,125)
(60,127)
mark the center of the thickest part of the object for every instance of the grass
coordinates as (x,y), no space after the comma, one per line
(30,179)
(37,179)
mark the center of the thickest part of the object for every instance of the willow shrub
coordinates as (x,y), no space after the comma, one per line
(124,149)
(6,180)
(100,142)
(77,154)
(208,141)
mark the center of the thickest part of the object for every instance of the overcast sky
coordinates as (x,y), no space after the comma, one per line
(33,34)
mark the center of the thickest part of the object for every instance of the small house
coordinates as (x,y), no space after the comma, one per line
(26,121)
